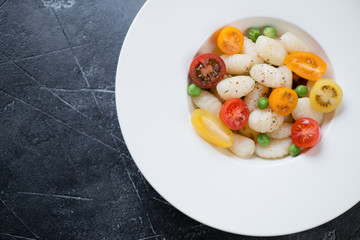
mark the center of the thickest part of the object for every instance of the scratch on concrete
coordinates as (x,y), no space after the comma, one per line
(56,196)
(60,121)
(76,59)
(15,215)
(133,184)
(57,96)
(80,90)
(151,237)
(151,226)
(58,3)
(8,106)
(16,236)
(2,4)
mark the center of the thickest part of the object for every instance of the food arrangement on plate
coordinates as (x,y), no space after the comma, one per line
(261,95)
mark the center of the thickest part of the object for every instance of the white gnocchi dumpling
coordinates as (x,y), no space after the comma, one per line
(267,75)
(242,147)
(252,98)
(250,50)
(235,87)
(287,76)
(208,102)
(277,148)
(237,64)
(282,132)
(270,50)
(304,109)
(293,43)
(266,120)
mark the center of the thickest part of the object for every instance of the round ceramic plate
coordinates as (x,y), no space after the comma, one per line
(244,196)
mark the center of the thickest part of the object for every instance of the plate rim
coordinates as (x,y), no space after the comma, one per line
(139,165)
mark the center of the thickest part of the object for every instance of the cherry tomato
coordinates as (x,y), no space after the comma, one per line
(234,113)
(305,132)
(283,100)
(306,64)
(230,40)
(325,95)
(209,127)
(207,70)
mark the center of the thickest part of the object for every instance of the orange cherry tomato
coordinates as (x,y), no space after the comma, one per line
(283,100)
(306,64)
(230,40)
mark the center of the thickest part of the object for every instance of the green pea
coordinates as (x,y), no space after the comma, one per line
(263,139)
(193,90)
(270,32)
(294,150)
(262,102)
(301,91)
(253,34)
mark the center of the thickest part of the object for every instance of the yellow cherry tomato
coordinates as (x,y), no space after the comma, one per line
(325,95)
(210,128)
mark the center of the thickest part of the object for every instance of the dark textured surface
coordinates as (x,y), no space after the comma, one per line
(65,172)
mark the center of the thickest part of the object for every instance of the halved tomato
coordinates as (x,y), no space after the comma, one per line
(305,132)
(209,127)
(283,100)
(230,40)
(234,113)
(207,70)
(325,95)
(306,64)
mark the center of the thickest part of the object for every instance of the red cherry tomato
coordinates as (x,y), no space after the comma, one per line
(234,113)
(207,70)
(305,132)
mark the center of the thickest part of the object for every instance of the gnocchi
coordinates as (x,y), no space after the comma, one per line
(266,120)
(276,149)
(293,43)
(235,87)
(244,90)
(243,147)
(252,98)
(287,76)
(267,75)
(304,109)
(282,132)
(237,64)
(270,50)
(208,102)
(250,50)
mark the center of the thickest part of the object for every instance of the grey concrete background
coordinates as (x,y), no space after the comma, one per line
(65,172)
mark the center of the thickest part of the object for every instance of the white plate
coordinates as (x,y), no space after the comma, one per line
(250,197)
